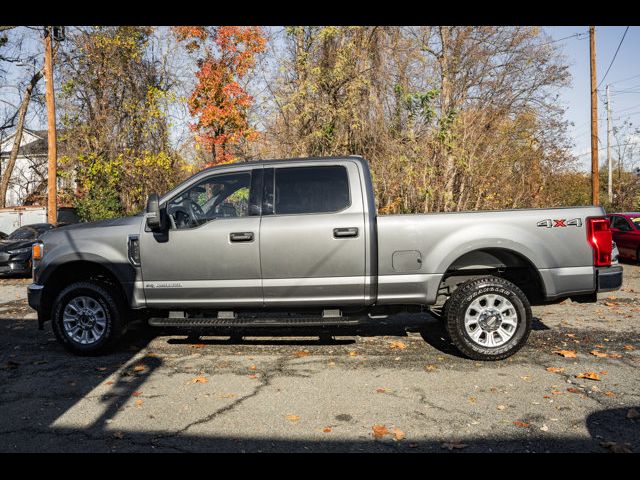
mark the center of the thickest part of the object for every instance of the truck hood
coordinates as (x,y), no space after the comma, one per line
(112,222)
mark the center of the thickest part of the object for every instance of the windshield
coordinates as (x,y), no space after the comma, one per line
(23,233)
(636,222)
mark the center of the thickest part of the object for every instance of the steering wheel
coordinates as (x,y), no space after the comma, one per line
(195,212)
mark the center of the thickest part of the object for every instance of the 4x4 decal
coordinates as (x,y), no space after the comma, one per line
(561,222)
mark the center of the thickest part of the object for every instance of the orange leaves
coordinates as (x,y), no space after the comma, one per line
(293,418)
(379,431)
(555,369)
(397,346)
(629,347)
(301,354)
(589,376)
(218,101)
(199,379)
(327,429)
(566,353)
(520,424)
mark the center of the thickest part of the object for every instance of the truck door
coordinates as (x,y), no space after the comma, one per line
(210,255)
(312,235)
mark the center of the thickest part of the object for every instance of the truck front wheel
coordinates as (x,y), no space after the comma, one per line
(488,318)
(87,318)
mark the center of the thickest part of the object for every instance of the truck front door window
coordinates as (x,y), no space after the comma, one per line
(219,196)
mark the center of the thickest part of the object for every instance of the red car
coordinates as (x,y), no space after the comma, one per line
(625,228)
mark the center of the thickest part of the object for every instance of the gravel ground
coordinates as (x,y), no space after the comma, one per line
(374,389)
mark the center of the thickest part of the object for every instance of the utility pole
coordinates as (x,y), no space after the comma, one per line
(595,184)
(52,207)
(609,178)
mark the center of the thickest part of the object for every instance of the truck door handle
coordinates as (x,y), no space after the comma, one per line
(345,232)
(241,237)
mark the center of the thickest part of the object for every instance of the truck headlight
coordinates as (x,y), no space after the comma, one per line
(19,251)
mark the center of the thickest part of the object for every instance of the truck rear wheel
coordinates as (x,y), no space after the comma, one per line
(87,318)
(488,318)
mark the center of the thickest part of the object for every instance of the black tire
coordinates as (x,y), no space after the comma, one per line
(461,300)
(113,306)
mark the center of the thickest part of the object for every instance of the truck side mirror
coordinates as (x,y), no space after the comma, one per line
(154,215)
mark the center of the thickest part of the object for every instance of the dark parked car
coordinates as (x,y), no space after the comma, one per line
(625,228)
(3,235)
(15,250)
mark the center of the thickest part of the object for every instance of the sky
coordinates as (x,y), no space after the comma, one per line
(624,89)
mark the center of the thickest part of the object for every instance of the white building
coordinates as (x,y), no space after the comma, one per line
(29,176)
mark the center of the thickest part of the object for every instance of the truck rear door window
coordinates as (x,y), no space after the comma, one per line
(311,189)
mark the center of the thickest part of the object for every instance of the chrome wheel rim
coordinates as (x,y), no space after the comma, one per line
(491,320)
(84,320)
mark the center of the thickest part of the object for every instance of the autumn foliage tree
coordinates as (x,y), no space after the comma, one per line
(218,102)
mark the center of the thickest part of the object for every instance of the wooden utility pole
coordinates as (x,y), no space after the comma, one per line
(595,184)
(609,178)
(52,207)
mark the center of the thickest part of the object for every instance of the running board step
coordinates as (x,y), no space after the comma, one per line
(255,322)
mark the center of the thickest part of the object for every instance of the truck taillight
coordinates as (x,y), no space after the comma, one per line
(599,237)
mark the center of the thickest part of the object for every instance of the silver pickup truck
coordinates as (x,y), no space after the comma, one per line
(298,243)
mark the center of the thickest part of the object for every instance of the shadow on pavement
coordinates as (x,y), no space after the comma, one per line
(41,381)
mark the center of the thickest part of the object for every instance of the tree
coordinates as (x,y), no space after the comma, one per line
(450,118)
(218,101)
(115,130)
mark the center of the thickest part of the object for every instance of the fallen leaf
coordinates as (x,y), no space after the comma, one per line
(571,335)
(629,347)
(599,346)
(589,376)
(555,369)
(293,418)
(379,431)
(566,353)
(136,394)
(108,383)
(615,447)
(199,379)
(326,429)
(556,392)
(612,297)
(454,445)
(518,423)
(615,355)
(610,304)
(430,368)
(301,354)
(610,394)
(603,372)
(633,414)
(526,378)
(139,368)
(574,390)
(501,407)
(138,403)
(599,354)
(197,345)
(353,354)
(119,435)
(381,390)
(398,434)
(11,365)
(397,345)
(472,399)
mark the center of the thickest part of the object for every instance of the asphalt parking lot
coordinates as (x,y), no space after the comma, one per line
(374,389)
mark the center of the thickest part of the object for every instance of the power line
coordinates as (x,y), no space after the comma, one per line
(616,145)
(624,79)
(578,34)
(614,56)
